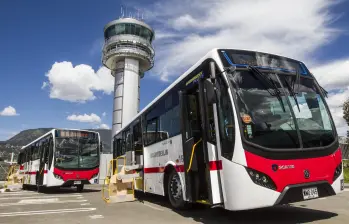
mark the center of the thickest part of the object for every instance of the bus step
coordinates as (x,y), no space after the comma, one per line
(133,167)
(126,178)
(205,202)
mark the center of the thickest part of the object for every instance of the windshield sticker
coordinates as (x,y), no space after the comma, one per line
(246,118)
(249,131)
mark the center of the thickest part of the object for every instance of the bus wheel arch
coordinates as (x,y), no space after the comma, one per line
(173,180)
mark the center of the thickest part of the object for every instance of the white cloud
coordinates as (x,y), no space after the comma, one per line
(92,118)
(104,114)
(334,77)
(77,84)
(294,28)
(104,126)
(8,111)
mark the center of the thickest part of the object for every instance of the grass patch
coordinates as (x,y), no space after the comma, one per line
(346,171)
(346,175)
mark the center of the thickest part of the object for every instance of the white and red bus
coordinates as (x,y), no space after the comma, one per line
(243,130)
(61,158)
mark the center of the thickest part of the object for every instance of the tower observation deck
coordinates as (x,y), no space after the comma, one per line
(128,53)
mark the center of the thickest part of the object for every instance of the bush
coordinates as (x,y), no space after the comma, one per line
(346,170)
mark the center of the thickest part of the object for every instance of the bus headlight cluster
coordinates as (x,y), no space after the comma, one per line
(94,175)
(338,171)
(261,178)
(58,176)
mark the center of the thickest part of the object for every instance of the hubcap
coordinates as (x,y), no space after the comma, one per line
(176,187)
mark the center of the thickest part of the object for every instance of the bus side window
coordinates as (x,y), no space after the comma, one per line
(137,138)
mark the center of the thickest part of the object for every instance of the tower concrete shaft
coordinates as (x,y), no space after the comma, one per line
(128,53)
(126,106)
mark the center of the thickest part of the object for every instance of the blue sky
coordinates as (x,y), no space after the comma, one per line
(37,34)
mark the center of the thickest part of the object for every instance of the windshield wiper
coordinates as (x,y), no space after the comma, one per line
(296,81)
(269,83)
(292,93)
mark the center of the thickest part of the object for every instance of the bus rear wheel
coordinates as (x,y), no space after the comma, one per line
(175,191)
(80,188)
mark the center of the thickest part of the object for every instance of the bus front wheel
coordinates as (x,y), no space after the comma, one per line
(175,191)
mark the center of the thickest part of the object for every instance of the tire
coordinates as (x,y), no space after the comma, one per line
(175,191)
(80,188)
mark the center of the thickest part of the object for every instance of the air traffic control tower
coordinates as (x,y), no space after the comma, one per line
(128,53)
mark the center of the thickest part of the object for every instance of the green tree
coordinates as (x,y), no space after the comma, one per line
(346,113)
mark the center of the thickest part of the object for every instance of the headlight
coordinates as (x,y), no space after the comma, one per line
(58,176)
(338,171)
(261,178)
(94,176)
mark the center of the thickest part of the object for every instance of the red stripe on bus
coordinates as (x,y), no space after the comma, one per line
(33,172)
(154,170)
(180,168)
(216,165)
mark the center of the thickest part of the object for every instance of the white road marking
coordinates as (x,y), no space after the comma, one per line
(153,207)
(84,204)
(96,216)
(16,193)
(44,212)
(42,201)
(322,198)
(41,196)
(346,189)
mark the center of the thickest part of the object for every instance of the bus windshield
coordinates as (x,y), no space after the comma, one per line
(75,153)
(271,119)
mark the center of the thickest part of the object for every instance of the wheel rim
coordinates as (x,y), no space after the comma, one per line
(176,188)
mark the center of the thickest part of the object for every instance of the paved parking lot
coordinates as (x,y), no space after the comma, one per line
(68,206)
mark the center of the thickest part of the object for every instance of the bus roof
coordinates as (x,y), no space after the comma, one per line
(213,53)
(210,54)
(52,131)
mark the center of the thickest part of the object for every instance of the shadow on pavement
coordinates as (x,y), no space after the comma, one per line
(278,214)
(68,190)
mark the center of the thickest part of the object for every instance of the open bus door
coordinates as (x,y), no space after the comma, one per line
(43,155)
(200,154)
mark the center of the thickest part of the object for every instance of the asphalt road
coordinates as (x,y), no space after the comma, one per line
(68,206)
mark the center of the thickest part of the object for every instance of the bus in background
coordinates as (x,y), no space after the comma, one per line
(244,130)
(61,158)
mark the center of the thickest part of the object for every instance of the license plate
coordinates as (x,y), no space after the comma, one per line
(77,182)
(309,193)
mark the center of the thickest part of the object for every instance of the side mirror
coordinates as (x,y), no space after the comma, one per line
(101,147)
(210,92)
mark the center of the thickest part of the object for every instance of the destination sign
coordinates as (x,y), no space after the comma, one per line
(75,134)
(263,60)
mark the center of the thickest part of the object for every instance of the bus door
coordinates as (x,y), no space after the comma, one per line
(199,146)
(42,158)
